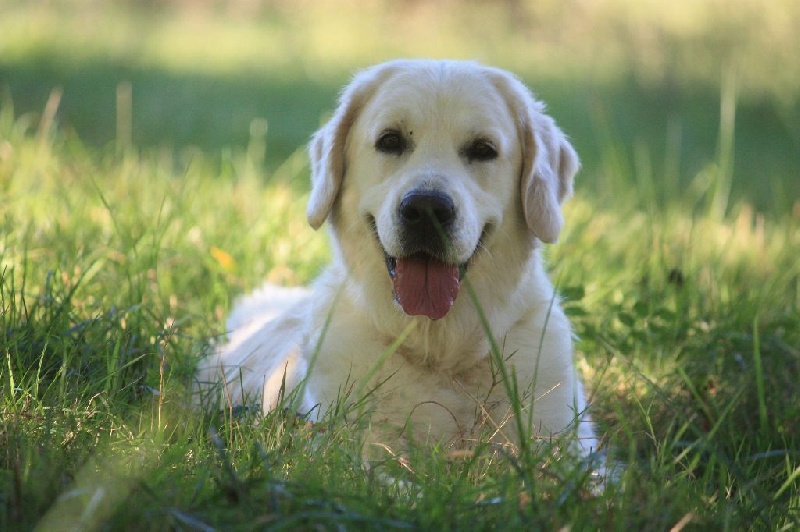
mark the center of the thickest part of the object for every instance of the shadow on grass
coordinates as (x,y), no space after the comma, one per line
(666,134)
(172,109)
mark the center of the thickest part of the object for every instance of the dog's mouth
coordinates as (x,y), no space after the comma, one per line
(424,284)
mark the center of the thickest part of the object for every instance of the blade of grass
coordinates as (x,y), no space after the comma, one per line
(759,370)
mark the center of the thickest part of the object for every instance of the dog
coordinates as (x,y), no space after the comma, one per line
(440,182)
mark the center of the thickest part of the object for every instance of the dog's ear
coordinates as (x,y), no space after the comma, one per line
(549,168)
(326,152)
(549,162)
(328,145)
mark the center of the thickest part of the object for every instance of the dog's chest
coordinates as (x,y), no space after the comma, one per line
(443,405)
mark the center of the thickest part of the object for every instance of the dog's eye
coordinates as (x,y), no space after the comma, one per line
(391,142)
(480,150)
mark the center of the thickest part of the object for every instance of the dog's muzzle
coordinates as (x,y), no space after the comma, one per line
(424,281)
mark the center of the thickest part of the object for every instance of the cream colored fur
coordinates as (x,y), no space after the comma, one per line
(333,340)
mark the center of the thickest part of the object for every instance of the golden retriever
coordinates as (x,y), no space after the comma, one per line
(440,180)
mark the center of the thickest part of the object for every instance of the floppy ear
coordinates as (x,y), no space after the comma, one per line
(549,167)
(327,147)
(326,151)
(549,162)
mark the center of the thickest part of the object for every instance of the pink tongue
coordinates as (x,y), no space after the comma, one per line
(425,287)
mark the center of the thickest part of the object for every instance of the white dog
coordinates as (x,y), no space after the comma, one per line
(440,181)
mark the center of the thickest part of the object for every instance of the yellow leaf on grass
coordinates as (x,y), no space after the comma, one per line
(223,258)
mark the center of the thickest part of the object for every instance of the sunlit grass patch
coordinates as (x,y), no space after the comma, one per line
(675,342)
(682,41)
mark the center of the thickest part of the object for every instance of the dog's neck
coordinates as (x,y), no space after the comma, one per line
(460,340)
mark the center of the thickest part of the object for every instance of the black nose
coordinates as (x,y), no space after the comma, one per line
(427,210)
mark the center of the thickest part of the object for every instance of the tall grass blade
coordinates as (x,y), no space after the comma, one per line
(124,117)
(790,480)
(47,123)
(759,368)
(723,175)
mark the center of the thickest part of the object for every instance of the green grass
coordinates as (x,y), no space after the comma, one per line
(127,228)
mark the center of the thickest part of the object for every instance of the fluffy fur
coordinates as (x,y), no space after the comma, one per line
(347,335)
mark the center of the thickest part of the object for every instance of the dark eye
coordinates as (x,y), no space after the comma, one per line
(479,150)
(392,142)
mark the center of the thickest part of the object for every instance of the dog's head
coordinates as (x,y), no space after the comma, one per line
(427,160)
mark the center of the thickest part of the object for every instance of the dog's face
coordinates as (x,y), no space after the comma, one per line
(424,162)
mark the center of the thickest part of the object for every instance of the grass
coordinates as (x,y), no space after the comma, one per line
(128,224)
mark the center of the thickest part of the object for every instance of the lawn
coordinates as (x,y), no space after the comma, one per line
(151,170)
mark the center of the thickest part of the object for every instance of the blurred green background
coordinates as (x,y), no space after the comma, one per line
(637,84)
